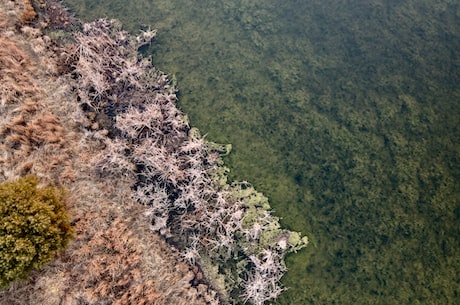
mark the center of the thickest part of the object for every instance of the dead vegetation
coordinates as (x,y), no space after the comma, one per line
(174,172)
(32,138)
(16,70)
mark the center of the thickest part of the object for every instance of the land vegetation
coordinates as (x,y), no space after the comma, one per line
(113,258)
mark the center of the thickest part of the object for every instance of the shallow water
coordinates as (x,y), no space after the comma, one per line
(345,114)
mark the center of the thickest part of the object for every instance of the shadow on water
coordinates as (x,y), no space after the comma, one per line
(345,113)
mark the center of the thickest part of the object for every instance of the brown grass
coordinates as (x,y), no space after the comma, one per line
(16,70)
(3,22)
(28,13)
(32,138)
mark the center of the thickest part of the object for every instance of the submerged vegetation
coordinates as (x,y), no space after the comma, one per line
(350,127)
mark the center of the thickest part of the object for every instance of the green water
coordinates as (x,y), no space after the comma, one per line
(346,114)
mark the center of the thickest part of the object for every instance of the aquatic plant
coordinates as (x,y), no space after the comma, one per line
(322,128)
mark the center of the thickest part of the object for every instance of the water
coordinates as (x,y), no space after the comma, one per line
(346,114)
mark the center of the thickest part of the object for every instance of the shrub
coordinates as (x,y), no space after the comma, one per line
(34,225)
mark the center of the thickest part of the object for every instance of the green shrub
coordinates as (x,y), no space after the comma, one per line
(34,225)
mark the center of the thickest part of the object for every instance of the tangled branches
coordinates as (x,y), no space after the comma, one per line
(176,173)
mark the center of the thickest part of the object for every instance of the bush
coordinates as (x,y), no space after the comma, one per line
(34,225)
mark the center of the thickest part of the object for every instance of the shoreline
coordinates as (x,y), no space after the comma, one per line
(114,257)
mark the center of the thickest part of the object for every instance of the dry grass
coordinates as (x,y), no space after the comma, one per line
(114,258)
(31,137)
(28,13)
(16,70)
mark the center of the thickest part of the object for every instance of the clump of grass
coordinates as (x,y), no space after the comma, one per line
(34,225)
(28,13)
(16,69)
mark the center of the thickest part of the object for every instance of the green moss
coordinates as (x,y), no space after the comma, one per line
(33,226)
